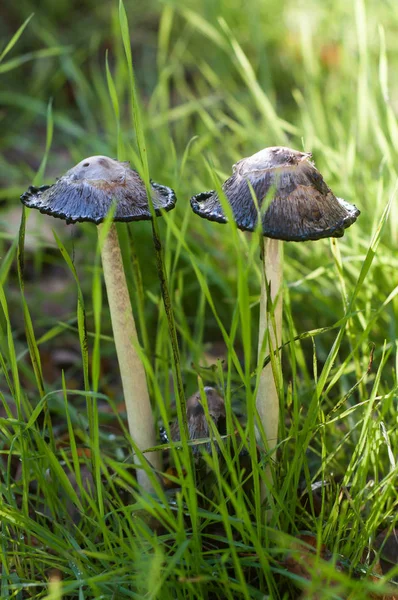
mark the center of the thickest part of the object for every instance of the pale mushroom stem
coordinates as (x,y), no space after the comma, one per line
(139,412)
(267,400)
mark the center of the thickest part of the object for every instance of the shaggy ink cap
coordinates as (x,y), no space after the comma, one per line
(293,203)
(197,424)
(300,207)
(88,190)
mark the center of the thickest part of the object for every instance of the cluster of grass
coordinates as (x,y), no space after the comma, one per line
(212,90)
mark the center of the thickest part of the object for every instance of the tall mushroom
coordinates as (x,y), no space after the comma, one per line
(294,204)
(87,192)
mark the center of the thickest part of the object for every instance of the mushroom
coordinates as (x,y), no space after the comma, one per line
(87,192)
(294,204)
(198,426)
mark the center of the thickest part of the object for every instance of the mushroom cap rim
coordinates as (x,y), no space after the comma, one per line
(69,220)
(336,231)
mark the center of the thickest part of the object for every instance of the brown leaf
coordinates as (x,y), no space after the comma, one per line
(387,542)
(168,479)
(302,558)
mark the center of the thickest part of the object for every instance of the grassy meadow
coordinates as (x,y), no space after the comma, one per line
(213,82)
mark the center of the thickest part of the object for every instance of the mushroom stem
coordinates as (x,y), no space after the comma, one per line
(135,389)
(267,400)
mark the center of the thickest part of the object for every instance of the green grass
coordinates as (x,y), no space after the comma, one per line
(214,82)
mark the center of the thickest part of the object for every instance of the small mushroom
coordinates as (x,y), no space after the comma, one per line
(198,426)
(87,192)
(294,204)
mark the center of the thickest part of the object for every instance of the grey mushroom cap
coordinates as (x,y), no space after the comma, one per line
(88,191)
(294,202)
(197,425)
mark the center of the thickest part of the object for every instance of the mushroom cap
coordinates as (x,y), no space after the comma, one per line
(197,425)
(294,202)
(88,190)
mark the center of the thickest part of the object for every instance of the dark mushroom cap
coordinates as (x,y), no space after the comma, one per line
(197,425)
(88,190)
(294,201)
